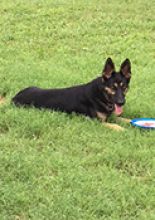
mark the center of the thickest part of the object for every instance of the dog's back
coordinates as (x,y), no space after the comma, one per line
(68,99)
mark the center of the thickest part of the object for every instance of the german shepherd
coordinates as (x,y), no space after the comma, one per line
(96,99)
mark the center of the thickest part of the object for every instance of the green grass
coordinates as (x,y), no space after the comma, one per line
(59,167)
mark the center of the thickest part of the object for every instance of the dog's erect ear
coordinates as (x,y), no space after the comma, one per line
(108,68)
(126,69)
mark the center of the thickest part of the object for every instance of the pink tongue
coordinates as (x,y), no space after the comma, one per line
(118,110)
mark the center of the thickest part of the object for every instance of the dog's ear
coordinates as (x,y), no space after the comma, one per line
(108,69)
(126,69)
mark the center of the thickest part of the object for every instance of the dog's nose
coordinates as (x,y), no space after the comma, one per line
(120,102)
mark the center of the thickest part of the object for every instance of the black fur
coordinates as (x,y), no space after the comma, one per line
(86,99)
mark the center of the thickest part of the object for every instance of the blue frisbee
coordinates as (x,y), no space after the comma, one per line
(148,123)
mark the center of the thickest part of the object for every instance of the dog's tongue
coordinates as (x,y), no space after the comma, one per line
(118,110)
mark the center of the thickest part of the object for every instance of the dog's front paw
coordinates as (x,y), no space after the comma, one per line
(114,127)
(126,120)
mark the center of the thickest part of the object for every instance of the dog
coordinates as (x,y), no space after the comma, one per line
(97,99)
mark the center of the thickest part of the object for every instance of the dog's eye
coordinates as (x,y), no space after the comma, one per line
(110,91)
(115,85)
(123,86)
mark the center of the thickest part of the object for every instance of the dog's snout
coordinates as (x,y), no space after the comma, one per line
(120,101)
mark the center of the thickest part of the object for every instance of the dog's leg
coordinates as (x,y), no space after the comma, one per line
(114,126)
(101,116)
(126,120)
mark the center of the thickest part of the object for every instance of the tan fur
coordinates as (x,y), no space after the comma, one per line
(126,120)
(116,85)
(125,90)
(114,127)
(101,116)
(109,91)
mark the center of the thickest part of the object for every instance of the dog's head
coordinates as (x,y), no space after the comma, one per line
(116,84)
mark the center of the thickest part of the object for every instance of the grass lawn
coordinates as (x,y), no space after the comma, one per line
(59,167)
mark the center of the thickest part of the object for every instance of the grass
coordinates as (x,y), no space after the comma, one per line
(59,167)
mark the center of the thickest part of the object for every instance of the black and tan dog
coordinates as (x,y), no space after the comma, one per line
(96,99)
